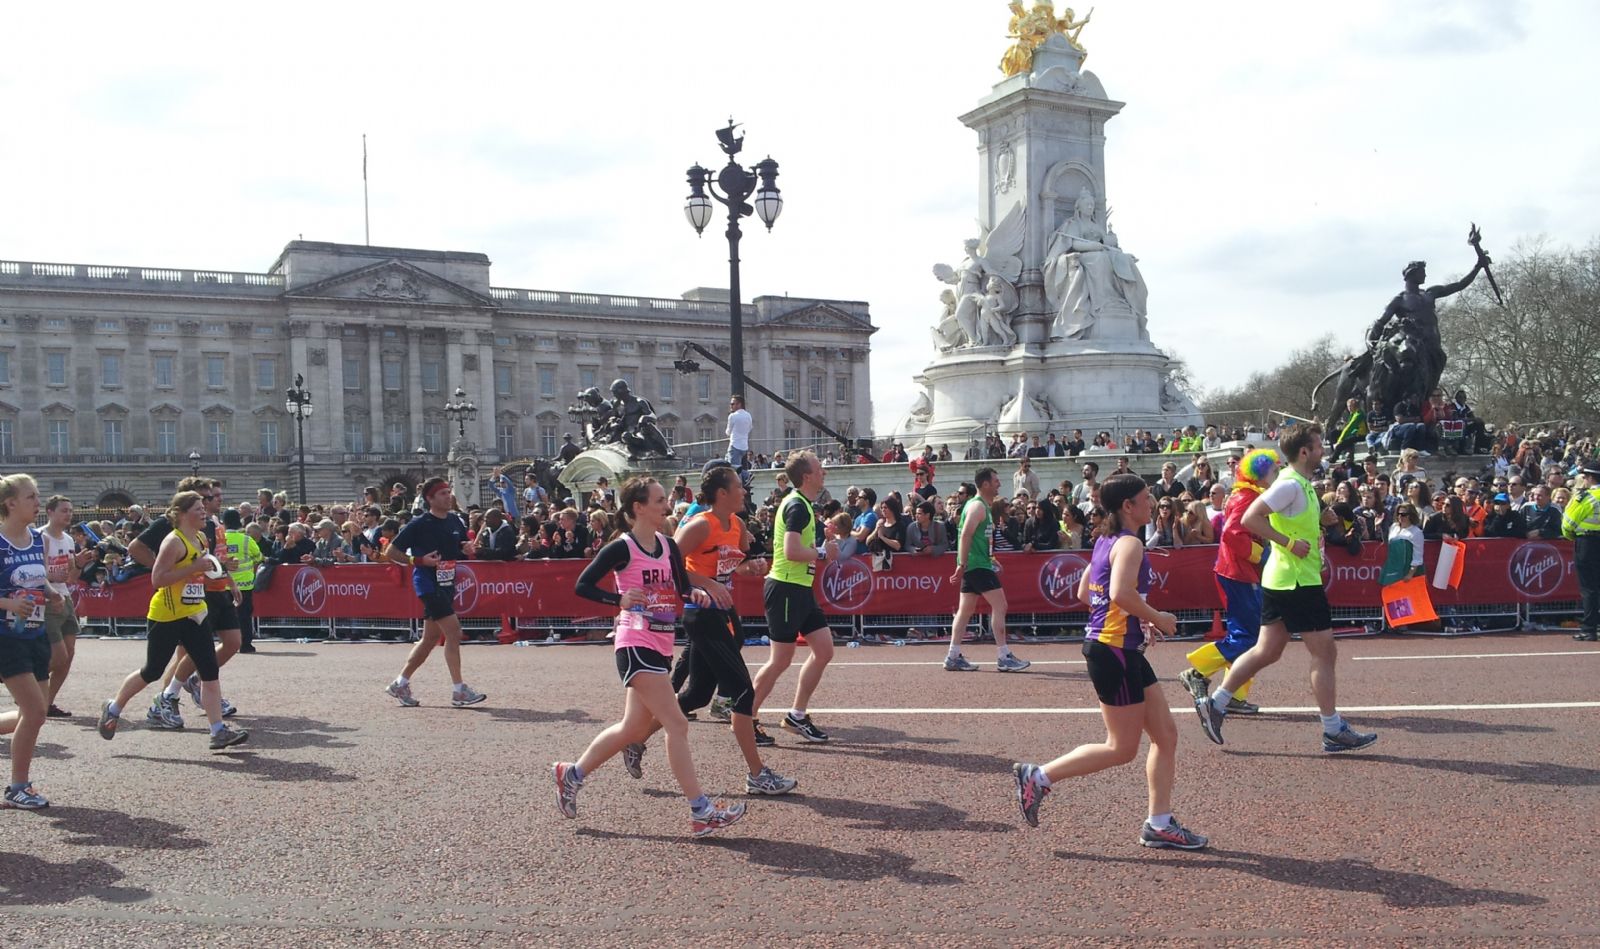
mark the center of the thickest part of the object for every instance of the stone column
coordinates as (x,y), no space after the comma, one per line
(299,361)
(413,388)
(861,395)
(334,333)
(488,424)
(375,378)
(454,370)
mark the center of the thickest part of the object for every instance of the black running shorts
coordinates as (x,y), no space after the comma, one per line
(632,660)
(22,656)
(981,580)
(439,603)
(1120,676)
(791,611)
(221,614)
(1301,610)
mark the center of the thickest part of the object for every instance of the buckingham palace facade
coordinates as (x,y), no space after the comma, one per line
(111,376)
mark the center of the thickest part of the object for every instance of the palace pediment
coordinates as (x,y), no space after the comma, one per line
(389,283)
(820,315)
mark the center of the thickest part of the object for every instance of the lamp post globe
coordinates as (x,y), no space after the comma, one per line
(194,462)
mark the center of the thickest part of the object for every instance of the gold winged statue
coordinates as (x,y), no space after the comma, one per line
(1031,28)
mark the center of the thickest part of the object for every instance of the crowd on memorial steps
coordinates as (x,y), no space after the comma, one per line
(1460,477)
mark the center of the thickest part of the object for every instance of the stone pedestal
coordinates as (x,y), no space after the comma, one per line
(463,466)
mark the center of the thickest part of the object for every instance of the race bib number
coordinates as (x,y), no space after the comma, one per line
(194,593)
(662,608)
(728,560)
(55,568)
(35,615)
(445,574)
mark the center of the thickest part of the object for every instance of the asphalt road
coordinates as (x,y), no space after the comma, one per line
(348,820)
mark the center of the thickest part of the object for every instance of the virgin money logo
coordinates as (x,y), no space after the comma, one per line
(1536,570)
(846,585)
(466,588)
(1058,579)
(310,590)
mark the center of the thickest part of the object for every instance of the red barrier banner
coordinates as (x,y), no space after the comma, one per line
(1496,571)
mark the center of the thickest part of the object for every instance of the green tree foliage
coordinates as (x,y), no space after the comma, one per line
(1286,388)
(1538,357)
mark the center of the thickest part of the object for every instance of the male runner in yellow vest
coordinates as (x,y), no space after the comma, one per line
(1289,515)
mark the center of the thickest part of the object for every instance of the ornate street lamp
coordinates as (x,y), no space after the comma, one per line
(297,402)
(737,184)
(194,462)
(461,411)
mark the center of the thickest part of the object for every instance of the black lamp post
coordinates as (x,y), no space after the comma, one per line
(461,411)
(297,402)
(194,462)
(737,184)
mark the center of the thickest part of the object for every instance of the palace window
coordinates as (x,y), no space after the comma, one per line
(217,436)
(55,369)
(166,437)
(216,371)
(110,370)
(111,432)
(161,365)
(59,436)
(269,438)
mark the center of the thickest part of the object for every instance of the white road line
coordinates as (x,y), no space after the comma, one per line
(940,662)
(1481,655)
(1282,710)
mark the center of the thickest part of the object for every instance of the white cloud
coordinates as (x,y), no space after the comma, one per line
(1274,167)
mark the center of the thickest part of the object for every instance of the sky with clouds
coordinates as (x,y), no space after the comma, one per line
(1274,167)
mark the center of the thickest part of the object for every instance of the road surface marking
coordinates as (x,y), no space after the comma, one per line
(1483,655)
(1282,710)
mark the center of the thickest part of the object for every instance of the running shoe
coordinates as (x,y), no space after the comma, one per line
(56,711)
(1198,685)
(721,709)
(958,663)
(163,715)
(567,786)
(768,782)
(402,693)
(464,696)
(633,759)
(1586,636)
(804,727)
(1010,663)
(108,722)
(763,740)
(717,818)
(192,686)
(691,716)
(1029,791)
(228,711)
(1174,836)
(1241,707)
(25,799)
(227,737)
(1348,739)
(1210,718)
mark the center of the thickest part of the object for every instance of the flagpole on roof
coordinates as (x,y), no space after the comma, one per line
(366,208)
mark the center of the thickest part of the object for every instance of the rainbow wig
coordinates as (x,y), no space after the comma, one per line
(1254,468)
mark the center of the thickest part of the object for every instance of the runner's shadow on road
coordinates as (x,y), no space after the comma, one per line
(276,654)
(48,751)
(1526,772)
(97,827)
(257,766)
(914,816)
(289,732)
(31,881)
(966,762)
(1424,725)
(1398,888)
(808,860)
(533,716)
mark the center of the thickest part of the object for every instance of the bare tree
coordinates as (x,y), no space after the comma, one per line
(1536,358)
(1286,388)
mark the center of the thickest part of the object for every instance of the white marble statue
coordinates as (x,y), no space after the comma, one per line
(991,257)
(1088,277)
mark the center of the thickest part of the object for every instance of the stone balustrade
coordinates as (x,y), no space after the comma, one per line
(18,273)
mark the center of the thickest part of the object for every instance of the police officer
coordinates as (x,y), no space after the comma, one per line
(1580,523)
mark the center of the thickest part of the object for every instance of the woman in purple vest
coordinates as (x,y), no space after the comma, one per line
(1121,624)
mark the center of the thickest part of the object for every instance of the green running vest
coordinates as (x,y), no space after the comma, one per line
(978,556)
(1284,571)
(782,567)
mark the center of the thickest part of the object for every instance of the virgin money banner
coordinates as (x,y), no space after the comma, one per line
(1496,571)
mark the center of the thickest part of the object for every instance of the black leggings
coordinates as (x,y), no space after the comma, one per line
(715,664)
(680,669)
(164,640)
